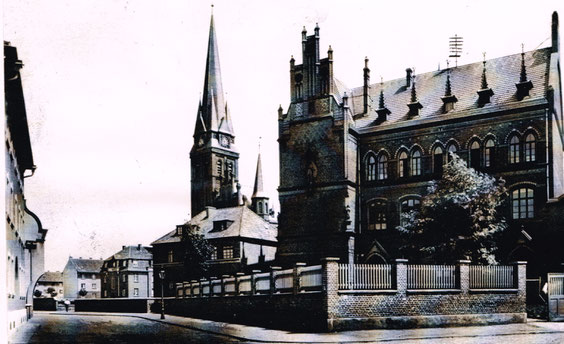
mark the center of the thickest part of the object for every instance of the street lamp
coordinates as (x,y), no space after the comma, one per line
(162,276)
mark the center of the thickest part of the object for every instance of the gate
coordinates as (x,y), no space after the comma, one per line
(556,297)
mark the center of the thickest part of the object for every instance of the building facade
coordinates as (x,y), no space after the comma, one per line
(25,235)
(128,273)
(352,160)
(81,278)
(242,232)
(50,284)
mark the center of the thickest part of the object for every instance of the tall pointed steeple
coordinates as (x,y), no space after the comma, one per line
(214,108)
(214,157)
(258,188)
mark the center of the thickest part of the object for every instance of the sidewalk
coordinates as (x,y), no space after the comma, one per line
(262,335)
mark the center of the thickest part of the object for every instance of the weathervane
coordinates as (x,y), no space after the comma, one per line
(455,47)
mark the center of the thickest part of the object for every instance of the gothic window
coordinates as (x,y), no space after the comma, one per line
(488,153)
(382,167)
(438,160)
(228,252)
(259,207)
(407,205)
(451,149)
(475,155)
(371,168)
(229,170)
(402,165)
(377,215)
(416,163)
(514,150)
(522,203)
(530,148)
(219,166)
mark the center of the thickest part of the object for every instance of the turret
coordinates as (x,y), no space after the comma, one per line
(259,199)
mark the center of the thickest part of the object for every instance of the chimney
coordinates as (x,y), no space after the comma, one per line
(209,211)
(366,85)
(408,72)
(123,247)
(138,247)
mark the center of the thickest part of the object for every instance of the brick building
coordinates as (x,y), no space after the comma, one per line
(242,232)
(25,235)
(128,273)
(353,159)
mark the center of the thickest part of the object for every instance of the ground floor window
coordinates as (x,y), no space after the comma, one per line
(377,219)
(135,291)
(522,203)
(406,206)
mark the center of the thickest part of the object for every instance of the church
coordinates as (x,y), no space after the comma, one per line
(352,160)
(242,232)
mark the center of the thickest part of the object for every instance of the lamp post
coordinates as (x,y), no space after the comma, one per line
(162,276)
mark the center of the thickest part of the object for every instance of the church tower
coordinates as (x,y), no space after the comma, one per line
(259,198)
(318,163)
(213,158)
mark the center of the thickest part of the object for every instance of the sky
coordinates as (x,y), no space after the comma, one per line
(112,90)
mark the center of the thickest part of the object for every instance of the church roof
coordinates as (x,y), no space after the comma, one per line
(502,75)
(213,113)
(242,223)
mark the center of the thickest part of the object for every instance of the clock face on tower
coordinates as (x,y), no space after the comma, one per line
(224,141)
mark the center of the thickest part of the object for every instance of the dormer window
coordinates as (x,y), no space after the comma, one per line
(222,225)
(178,230)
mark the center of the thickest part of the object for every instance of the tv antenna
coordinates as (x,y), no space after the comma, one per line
(455,47)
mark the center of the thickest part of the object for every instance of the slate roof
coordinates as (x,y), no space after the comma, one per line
(502,75)
(245,224)
(51,276)
(132,252)
(86,265)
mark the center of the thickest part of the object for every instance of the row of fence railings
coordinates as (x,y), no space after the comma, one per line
(352,277)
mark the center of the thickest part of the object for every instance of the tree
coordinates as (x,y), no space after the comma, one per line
(37,293)
(457,218)
(197,251)
(52,291)
(82,292)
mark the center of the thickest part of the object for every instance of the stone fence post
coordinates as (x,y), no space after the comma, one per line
(223,277)
(210,294)
(463,275)
(192,286)
(520,276)
(296,277)
(330,282)
(202,287)
(273,270)
(401,276)
(237,277)
(253,281)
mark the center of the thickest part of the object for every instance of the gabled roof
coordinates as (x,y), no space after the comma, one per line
(132,252)
(51,276)
(86,265)
(502,75)
(244,224)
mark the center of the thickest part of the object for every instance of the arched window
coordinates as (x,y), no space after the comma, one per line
(266,207)
(259,208)
(514,150)
(488,153)
(219,165)
(377,215)
(416,163)
(438,160)
(475,155)
(402,164)
(371,168)
(530,148)
(522,203)
(16,269)
(382,167)
(407,205)
(451,149)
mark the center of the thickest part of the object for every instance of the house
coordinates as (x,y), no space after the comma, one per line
(352,160)
(25,236)
(50,281)
(81,278)
(242,233)
(128,273)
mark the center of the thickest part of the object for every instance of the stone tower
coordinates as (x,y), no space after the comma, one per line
(318,163)
(259,198)
(214,158)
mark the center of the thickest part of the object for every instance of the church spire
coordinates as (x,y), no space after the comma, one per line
(214,110)
(259,198)
(258,188)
